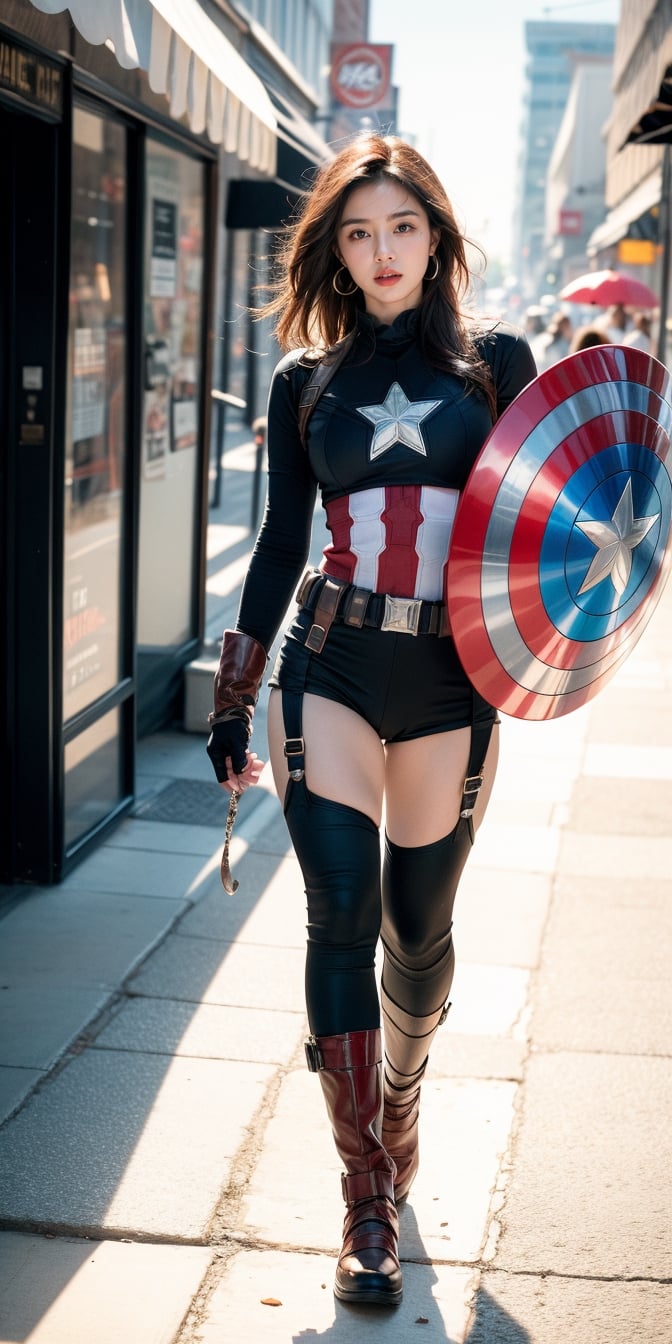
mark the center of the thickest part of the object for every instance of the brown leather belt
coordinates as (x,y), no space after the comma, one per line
(334,600)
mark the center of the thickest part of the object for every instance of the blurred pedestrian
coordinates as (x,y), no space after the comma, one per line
(534,321)
(640,336)
(365,718)
(553,344)
(586,337)
(615,323)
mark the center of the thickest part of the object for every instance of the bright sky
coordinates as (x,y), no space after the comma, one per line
(459,65)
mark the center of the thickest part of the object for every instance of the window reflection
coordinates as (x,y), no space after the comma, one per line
(173,372)
(93,785)
(94,463)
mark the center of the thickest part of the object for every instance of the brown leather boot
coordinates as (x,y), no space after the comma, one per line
(350,1070)
(407,1042)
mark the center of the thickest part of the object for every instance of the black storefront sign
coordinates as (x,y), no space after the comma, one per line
(30,77)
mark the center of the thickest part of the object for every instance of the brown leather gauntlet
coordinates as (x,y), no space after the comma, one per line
(241,668)
(238,677)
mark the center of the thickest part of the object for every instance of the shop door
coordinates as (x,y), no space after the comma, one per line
(6,233)
(28,307)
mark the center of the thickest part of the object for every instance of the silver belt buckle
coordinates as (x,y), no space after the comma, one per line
(402,614)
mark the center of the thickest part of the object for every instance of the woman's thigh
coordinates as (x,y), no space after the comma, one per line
(423,785)
(344,755)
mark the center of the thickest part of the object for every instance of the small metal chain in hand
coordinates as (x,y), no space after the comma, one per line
(229,883)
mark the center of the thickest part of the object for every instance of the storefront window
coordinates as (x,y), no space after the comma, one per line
(96,413)
(238,333)
(252,351)
(175,188)
(268,352)
(93,784)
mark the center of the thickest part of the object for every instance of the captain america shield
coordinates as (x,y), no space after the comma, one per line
(561,542)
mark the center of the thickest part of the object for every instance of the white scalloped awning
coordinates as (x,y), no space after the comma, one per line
(191,61)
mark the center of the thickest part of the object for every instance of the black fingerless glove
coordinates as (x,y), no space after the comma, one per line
(229,737)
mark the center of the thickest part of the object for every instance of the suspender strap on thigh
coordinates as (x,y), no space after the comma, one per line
(480,740)
(478,750)
(295,749)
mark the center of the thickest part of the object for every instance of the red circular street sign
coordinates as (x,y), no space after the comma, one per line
(360,76)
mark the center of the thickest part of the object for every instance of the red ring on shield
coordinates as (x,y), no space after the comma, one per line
(554,437)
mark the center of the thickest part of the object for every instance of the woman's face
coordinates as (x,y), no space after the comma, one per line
(385,241)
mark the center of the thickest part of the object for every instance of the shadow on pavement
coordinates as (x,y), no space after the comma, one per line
(436,1304)
(493,1325)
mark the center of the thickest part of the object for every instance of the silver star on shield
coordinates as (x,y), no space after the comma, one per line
(397,420)
(615,543)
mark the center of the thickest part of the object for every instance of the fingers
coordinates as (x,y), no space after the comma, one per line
(228,741)
(245,778)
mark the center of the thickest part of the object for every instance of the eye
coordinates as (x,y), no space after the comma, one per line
(404,227)
(358,233)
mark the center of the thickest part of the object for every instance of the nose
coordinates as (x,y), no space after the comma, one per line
(384,250)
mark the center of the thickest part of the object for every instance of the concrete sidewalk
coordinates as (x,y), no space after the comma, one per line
(166,1170)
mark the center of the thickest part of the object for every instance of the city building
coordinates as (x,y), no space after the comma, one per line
(575,182)
(552,49)
(149,151)
(361,95)
(637,227)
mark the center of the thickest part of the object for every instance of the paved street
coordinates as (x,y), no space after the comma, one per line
(166,1171)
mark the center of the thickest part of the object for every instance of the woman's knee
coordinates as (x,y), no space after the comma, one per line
(338,849)
(418,897)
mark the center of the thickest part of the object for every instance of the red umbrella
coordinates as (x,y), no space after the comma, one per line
(606,287)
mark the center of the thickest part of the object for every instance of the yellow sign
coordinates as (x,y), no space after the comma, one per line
(637,252)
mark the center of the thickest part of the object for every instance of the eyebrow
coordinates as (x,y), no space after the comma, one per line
(397,214)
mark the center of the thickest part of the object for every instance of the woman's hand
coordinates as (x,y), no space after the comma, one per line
(247,778)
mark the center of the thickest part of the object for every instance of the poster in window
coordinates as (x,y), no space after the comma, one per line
(184,424)
(89,388)
(156,430)
(163,262)
(185,409)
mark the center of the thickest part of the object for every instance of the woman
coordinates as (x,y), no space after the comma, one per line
(370,705)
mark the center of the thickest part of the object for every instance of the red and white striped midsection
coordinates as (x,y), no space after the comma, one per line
(392,539)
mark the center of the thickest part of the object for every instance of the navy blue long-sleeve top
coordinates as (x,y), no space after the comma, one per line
(390,446)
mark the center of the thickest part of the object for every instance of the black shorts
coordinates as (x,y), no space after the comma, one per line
(405,686)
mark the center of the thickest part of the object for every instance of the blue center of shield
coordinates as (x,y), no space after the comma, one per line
(605,540)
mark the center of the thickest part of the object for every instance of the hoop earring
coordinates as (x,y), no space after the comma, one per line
(437,268)
(343,293)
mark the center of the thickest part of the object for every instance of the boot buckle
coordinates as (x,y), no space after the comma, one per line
(314,1056)
(444,1014)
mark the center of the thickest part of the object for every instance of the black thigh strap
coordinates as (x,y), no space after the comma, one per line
(295,747)
(480,741)
(478,750)
(295,752)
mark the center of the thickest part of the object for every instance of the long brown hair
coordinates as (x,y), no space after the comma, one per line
(310,313)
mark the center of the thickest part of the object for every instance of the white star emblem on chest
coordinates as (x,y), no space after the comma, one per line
(397,420)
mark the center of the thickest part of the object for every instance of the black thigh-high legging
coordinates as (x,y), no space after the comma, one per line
(338,849)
